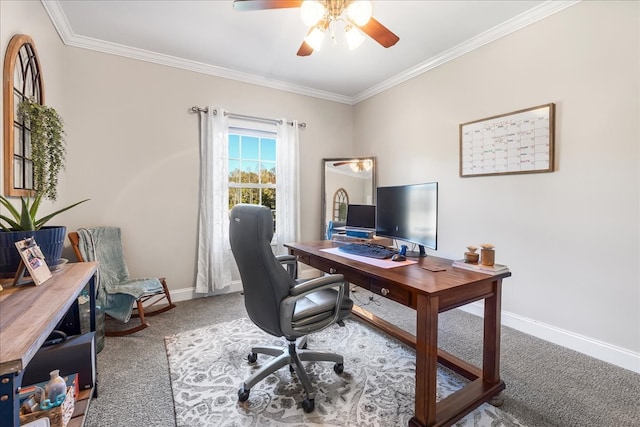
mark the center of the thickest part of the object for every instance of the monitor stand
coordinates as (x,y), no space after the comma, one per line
(417,254)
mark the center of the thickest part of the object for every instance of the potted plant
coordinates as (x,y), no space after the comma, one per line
(48,159)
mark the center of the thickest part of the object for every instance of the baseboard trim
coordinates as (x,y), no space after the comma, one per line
(598,349)
(186,294)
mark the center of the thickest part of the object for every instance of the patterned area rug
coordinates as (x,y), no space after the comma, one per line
(209,364)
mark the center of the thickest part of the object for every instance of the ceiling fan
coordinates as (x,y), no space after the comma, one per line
(321,15)
(356,165)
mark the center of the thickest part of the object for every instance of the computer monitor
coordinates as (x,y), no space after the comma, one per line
(361,217)
(409,213)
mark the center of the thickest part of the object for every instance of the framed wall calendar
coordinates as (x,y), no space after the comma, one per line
(517,142)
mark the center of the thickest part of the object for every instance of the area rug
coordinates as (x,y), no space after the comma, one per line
(209,364)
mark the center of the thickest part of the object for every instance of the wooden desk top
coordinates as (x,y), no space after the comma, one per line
(414,278)
(28,313)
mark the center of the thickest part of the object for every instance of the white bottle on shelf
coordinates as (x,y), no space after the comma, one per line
(56,386)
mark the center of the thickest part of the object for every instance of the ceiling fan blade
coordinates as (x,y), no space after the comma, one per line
(305,49)
(379,33)
(265,4)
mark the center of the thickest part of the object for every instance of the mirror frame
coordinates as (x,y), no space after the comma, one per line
(323,203)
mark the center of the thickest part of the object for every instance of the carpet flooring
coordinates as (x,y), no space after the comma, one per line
(208,365)
(547,385)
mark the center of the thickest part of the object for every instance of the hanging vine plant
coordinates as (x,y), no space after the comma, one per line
(46,136)
(47,146)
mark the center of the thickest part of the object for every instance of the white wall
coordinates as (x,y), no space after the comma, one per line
(135,152)
(570,237)
(30,18)
(133,147)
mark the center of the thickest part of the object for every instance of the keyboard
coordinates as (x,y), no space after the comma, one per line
(370,250)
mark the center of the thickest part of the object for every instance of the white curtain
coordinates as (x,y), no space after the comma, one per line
(214,250)
(287,185)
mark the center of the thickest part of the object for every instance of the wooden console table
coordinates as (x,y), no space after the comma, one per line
(28,314)
(429,293)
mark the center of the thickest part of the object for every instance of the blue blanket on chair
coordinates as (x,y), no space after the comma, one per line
(117,293)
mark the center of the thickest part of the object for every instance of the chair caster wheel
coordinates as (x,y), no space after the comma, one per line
(338,368)
(243,395)
(252,357)
(308,405)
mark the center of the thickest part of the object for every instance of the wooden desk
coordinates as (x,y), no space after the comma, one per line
(429,293)
(28,314)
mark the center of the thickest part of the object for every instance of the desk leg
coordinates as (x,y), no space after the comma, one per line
(426,361)
(491,345)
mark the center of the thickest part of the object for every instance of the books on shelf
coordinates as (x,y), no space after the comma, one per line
(486,269)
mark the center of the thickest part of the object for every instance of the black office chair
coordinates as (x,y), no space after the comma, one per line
(280,305)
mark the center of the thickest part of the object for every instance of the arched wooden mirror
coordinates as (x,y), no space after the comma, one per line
(22,79)
(346,181)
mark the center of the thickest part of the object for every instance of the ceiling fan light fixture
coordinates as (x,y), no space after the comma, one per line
(359,11)
(355,167)
(311,11)
(315,37)
(354,37)
(361,166)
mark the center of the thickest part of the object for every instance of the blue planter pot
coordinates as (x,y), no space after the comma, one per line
(50,240)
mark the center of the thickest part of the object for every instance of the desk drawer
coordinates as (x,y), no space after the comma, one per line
(302,257)
(335,268)
(392,292)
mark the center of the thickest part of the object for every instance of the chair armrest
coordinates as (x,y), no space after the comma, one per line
(301,290)
(290,263)
(316,284)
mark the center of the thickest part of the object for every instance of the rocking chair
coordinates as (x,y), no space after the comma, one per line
(117,292)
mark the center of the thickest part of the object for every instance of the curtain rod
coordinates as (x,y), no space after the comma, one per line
(244,117)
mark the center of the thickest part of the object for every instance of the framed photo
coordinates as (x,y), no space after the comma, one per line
(517,142)
(33,262)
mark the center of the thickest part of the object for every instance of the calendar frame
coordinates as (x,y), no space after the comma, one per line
(506,154)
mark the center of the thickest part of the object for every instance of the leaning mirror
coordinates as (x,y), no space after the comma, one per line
(346,181)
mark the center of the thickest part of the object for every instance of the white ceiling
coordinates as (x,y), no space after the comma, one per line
(260,47)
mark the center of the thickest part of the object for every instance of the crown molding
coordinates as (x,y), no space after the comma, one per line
(69,38)
(514,24)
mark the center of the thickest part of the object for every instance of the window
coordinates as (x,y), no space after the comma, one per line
(340,203)
(252,167)
(22,79)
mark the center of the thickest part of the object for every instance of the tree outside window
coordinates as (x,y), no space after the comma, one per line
(252,169)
